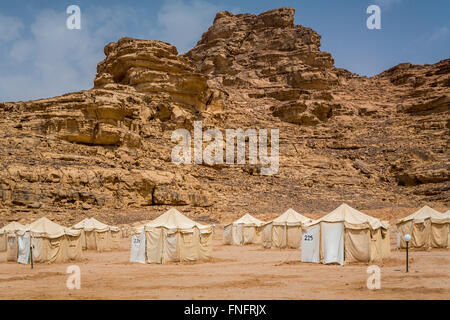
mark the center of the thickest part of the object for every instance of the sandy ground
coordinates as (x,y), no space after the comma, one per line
(247,272)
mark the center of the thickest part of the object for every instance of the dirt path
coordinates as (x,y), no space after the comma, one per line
(247,272)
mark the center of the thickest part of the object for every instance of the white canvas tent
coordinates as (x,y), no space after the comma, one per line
(284,231)
(11,228)
(345,235)
(51,243)
(428,229)
(246,230)
(96,235)
(170,237)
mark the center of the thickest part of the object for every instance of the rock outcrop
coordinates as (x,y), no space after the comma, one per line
(372,142)
(154,68)
(268,56)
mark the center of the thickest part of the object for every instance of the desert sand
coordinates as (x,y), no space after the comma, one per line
(234,272)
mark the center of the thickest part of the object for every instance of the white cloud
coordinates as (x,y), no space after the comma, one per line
(52,60)
(45,59)
(440,33)
(10,28)
(183,22)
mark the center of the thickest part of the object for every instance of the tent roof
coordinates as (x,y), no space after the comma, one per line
(385,224)
(174,219)
(424,213)
(12,227)
(47,228)
(249,220)
(90,224)
(291,217)
(351,217)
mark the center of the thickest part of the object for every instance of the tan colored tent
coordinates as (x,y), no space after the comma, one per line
(346,235)
(170,237)
(51,242)
(246,230)
(13,227)
(284,231)
(96,235)
(428,229)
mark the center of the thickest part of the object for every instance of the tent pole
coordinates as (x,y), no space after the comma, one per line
(31,255)
(407,256)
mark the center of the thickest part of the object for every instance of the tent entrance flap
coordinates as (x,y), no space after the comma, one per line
(357,245)
(154,245)
(90,239)
(421,234)
(266,236)
(170,246)
(311,244)
(237,234)
(227,239)
(332,238)
(249,234)
(279,236)
(74,248)
(188,248)
(404,228)
(293,236)
(3,239)
(137,253)
(114,239)
(23,244)
(439,235)
(11,248)
(102,241)
(39,249)
(205,245)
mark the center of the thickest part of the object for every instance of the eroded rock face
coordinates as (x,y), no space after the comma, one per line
(268,56)
(153,68)
(276,68)
(371,142)
(309,113)
(261,49)
(98,147)
(93,117)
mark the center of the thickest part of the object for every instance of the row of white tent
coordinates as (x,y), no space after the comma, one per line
(282,232)
(343,235)
(170,237)
(52,242)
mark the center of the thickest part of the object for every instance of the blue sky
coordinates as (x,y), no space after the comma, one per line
(40,57)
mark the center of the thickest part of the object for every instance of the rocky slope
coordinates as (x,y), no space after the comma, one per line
(372,142)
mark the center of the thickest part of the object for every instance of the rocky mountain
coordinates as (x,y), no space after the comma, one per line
(372,142)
